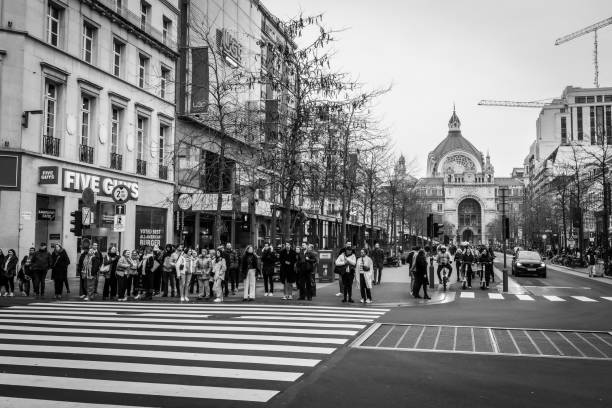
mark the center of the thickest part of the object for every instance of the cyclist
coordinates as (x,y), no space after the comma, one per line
(466,267)
(458,259)
(443,259)
(486,262)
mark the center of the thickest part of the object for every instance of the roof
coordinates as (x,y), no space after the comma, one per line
(508,181)
(455,141)
(430,181)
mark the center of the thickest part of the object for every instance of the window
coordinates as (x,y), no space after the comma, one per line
(53,24)
(85,119)
(115,129)
(598,98)
(89,33)
(590,99)
(609,123)
(592,124)
(144,14)
(118,48)
(166,26)
(564,130)
(580,99)
(579,123)
(50,108)
(162,143)
(439,207)
(118,6)
(165,73)
(143,65)
(140,137)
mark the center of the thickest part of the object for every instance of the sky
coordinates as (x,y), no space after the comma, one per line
(439,52)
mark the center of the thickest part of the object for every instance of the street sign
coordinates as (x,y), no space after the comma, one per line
(88,197)
(87,217)
(120,194)
(119,223)
(119,209)
(184,201)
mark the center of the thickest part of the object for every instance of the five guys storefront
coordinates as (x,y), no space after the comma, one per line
(41,210)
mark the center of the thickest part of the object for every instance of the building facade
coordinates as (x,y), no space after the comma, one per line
(87,100)
(462,192)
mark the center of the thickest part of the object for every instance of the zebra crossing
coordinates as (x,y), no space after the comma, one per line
(472,295)
(98,354)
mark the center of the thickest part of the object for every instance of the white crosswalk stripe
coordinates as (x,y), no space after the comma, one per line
(584,299)
(467,295)
(524,297)
(496,296)
(554,298)
(476,296)
(607,298)
(137,355)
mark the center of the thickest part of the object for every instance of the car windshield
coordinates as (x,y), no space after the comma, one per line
(529,256)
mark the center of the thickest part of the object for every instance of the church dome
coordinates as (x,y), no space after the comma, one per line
(454,141)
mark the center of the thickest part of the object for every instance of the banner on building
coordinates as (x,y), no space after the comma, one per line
(199,79)
(208,202)
(150,226)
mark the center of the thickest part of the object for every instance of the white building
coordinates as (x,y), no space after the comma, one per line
(86,100)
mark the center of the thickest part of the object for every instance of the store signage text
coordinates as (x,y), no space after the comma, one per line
(77,181)
(45,214)
(47,175)
(230,45)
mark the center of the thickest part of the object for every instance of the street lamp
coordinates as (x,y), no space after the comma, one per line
(503,191)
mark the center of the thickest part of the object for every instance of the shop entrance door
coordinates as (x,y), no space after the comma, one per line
(49,220)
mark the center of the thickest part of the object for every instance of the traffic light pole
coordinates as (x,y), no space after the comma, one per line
(504,271)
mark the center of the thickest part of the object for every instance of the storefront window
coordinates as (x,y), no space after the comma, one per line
(150,226)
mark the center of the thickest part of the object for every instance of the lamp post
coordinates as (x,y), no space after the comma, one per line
(504,271)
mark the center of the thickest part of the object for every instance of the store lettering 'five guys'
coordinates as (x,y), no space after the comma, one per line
(78,181)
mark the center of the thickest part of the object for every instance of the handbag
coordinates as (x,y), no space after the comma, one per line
(155,265)
(340,269)
(105,268)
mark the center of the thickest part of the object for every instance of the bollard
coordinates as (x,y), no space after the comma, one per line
(431,273)
(505,280)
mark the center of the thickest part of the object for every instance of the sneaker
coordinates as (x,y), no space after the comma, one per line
(83,296)
(290,297)
(368,301)
(137,297)
(217,300)
(284,298)
(186,299)
(266,294)
(339,294)
(182,298)
(270,294)
(361,300)
(11,294)
(427,298)
(86,299)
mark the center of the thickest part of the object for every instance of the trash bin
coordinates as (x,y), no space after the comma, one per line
(599,268)
(326,266)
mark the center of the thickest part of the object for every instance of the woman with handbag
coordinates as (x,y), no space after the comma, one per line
(145,273)
(109,271)
(420,275)
(202,270)
(59,270)
(218,269)
(124,266)
(365,268)
(25,273)
(347,261)
(9,268)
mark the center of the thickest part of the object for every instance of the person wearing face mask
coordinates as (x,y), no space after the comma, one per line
(109,290)
(59,270)
(9,268)
(248,273)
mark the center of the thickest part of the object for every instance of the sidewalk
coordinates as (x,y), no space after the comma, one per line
(581,272)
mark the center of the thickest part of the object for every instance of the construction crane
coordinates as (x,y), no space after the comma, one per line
(592,28)
(513,104)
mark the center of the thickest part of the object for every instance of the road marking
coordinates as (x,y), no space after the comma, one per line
(192,323)
(181,329)
(331,319)
(533,342)
(524,297)
(228,336)
(607,298)
(92,313)
(556,287)
(172,343)
(572,344)
(339,308)
(467,295)
(402,336)
(152,368)
(584,299)
(138,388)
(168,355)
(552,343)
(496,296)
(592,345)
(554,298)
(10,402)
(493,341)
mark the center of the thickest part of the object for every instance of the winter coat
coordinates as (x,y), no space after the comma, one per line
(288,258)
(268,259)
(363,263)
(9,267)
(203,267)
(378,257)
(59,268)
(347,261)
(41,260)
(249,261)
(231,259)
(112,261)
(310,260)
(219,268)
(123,266)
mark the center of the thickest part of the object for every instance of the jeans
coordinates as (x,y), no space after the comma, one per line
(168,279)
(466,273)
(59,286)
(288,289)
(268,276)
(91,287)
(347,281)
(366,293)
(24,286)
(110,286)
(450,271)
(418,283)
(249,284)
(39,282)
(305,285)
(9,283)
(121,286)
(458,268)
(184,285)
(377,273)
(233,280)
(202,280)
(82,286)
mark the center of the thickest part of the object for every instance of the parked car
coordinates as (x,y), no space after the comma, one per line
(528,263)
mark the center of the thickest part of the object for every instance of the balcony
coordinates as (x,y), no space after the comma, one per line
(86,154)
(141,167)
(51,145)
(116,161)
(134,19)
(163,172)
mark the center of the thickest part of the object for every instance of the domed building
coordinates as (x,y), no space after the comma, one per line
(462,189)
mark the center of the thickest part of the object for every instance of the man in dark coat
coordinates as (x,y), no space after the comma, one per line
(288,258)
(268,260)
(308,259)
(378,259)
(59,269)
(232,264)
(41,263)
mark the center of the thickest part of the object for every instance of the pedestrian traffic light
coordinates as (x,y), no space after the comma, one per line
(77,221)
(430,225)
(506,228)
(245,224)
(437,229)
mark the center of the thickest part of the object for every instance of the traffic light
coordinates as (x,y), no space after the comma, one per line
(77,221)
(245,224)
(430,226)
(506,228)
(437,229)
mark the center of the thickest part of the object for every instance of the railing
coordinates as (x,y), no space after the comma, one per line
(141,167)
(116,161)
(135,20)
(163,172)
(86,154)
(51,145)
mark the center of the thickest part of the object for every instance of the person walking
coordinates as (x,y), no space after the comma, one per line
(249,269)
(365,266)
(420,275)
(109,290)
(347,261)
(25,273)
(288,258)
(378,259)
(41,263)
(9,270)
(59,269)
(218,270)
(268,260)
(202,270)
